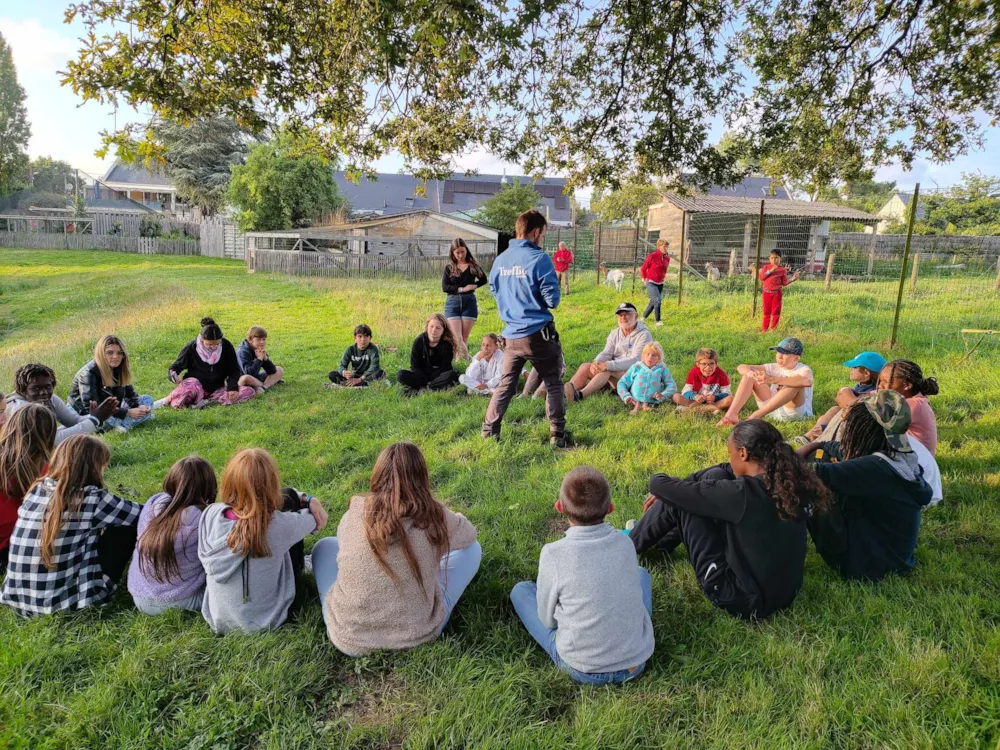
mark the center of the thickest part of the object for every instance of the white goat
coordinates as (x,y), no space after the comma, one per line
(712,273)
(613,277)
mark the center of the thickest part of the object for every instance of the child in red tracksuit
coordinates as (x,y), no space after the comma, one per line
(774,277)
(562,260)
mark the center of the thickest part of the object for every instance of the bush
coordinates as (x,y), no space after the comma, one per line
(150,226)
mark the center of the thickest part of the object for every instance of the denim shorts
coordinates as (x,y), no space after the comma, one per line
(461,306)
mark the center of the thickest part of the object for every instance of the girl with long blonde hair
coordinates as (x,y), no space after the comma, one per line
(250,544)
(431,359)
(26,444)
(399,563)
(73,538)
(109,374)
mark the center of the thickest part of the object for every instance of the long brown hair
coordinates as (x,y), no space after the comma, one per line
(469,258)
(122,375)
(189,483)
(26,443)
(78,462)
(447,335)
(400,490)
(250,486)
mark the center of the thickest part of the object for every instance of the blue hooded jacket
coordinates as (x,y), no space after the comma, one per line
(525,285)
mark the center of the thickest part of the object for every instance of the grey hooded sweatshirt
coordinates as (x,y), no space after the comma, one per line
(71,422)
(249,593)
(621,351)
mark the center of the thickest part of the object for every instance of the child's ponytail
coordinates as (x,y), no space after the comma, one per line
(787,476)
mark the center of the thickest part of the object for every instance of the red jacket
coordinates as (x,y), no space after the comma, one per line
(654,268)
(562,259)
(774,277)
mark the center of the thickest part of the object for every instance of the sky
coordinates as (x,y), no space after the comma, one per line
(64,128)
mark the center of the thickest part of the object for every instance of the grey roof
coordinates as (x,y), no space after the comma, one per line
(772,207)
(752,187)
(136,174)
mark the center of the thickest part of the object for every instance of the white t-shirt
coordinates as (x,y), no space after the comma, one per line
(774,370)
(932,475)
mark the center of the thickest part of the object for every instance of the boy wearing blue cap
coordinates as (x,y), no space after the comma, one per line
(865,369)
(782,389)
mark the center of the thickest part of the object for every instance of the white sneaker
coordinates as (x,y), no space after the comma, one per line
(159,404)
(120,429)
(659,323)
(308,567)
(682,409)
(630,524)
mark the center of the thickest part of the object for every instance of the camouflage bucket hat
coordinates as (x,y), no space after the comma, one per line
(892,412)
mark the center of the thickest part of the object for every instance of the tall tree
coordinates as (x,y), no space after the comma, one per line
(199,156)
(14,128)
(50,175)
(283,184)
(501,210)
(630,202)
(820,90)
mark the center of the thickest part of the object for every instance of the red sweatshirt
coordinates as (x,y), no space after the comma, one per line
(654,268)
(774,277)
(562,259)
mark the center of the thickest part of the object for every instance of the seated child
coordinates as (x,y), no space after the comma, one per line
(110,374)
(782,389)
(743,523)
(706,386)
(26,443)
(250,544)
(360,366)
(35,383)
(259,372)
(483,375)
(167,573)
(431,359)
(864,371)
(400,562)
(648,382)
(590,610)
(907,379)
(73,538)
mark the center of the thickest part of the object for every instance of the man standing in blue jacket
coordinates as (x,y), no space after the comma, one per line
(526,288)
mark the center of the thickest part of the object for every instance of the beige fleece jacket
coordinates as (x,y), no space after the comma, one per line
(364,609)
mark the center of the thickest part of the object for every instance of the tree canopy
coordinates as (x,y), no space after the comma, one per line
(629,202)
(199,156)
(283,184)
(501,210)
(14,128)
(971,207)
(815,90)
(50,175)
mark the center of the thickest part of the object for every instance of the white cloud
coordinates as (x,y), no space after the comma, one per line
(36,49)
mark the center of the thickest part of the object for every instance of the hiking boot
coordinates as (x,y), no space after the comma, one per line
(557,441)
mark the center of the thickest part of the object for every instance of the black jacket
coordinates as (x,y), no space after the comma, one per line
(766,553)
(431,361)
(87,386)
(226,372)
(451,284)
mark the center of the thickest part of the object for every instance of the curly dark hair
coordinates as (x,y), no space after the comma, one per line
(792,484)
(28,372)
(910,372)
(862,435)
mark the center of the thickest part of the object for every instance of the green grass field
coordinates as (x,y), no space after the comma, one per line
(906,663)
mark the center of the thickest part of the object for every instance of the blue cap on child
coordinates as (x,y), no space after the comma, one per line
(869,360)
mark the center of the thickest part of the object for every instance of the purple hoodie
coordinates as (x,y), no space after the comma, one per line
(192,578)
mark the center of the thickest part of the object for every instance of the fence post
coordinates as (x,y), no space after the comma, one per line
(906,255)
(576,260)
(732,262)
(598,254)
(756,269)
(635,259)
(829,270)
(871,255)
(913,276)
(996,284)
(680,268)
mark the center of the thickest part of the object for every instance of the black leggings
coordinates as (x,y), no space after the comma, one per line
(336,377)
(114,550)
(436,380)
(665,527)
(298,550)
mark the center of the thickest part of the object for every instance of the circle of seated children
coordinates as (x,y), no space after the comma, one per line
(462,277)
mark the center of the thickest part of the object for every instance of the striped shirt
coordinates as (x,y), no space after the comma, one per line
(77,580)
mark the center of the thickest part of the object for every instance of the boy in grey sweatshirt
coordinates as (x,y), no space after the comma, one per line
(591,607)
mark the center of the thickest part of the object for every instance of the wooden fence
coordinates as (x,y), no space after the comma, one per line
(337,265)
(222,239)
(114,242)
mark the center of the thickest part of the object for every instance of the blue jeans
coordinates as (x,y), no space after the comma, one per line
(525,600)
(462,306)
(128,422)
(454,575)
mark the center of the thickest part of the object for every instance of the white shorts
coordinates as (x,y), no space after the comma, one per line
(788,412)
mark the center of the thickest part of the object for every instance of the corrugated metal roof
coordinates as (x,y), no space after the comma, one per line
(711,204)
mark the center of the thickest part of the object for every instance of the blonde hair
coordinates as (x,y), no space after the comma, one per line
(108,378)
(77,463)
(250,487)
(706,354)
(653,346)
(256,332)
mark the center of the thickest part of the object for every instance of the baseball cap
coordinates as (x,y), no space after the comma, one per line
(869,360)
(626,307)
(892,413)
(791,345)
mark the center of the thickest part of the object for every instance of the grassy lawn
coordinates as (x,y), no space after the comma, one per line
(906,663)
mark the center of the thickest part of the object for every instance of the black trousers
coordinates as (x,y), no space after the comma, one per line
(336,377)
(665,527)
(114,550)
(298,550)
(829,533)
(436,380)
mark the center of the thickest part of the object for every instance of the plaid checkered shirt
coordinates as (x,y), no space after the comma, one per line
(77,580)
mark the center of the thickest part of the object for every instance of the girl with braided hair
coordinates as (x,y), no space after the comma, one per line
(743,522)
(879,490)
(907,379)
